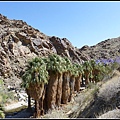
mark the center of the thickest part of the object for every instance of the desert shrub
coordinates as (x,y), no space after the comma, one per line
(5,95)
(109,89)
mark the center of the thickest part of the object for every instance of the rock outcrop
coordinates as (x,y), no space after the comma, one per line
(106,49)
(19,42)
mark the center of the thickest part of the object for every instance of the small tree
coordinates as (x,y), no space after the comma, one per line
(34,79)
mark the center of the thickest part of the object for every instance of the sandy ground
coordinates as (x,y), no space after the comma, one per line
(15,106)
(18,110)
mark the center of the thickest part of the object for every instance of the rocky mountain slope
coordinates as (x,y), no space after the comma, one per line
(20,42)
(109,48)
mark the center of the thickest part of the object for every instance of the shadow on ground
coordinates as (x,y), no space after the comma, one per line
(21,114)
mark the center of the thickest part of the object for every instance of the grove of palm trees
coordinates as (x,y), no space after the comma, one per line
(52,80)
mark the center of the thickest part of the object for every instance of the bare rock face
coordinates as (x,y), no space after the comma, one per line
(19,42)
(109,48)
(64,48)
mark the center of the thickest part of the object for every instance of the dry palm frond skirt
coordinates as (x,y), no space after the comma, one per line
(35,90)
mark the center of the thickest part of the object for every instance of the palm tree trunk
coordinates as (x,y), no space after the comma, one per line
(86,78)
(41,107)
(37,110)
(65,88)
(72,83)
(45,104)
(78,83)
(95,73)
(59,90)
(52,90)
(35,91)
(29,102)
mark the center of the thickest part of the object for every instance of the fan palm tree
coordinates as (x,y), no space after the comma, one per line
(34,79)
(95,70)
(78,78)
(73,74)
(87,68)
(66,80)
(55,68)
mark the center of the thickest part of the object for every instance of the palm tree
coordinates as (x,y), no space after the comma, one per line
(87,68)
(78,77)
(34,79)
(60,80)
(95,70)
(66,80)
(73,74)
(55,68)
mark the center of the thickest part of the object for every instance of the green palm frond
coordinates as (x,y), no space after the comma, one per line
(35,72)
(56,63)
(87,66)
(68,64)
(79,68)
(74,71)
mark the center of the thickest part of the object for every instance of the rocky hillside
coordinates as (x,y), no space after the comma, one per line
(109,48)
(20,42)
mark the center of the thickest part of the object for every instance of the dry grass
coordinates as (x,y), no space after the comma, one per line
(55,114)
(110,88)
(109,93)
(104,91)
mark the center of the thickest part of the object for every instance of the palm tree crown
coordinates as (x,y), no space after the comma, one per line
(36,72)
(56,63)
